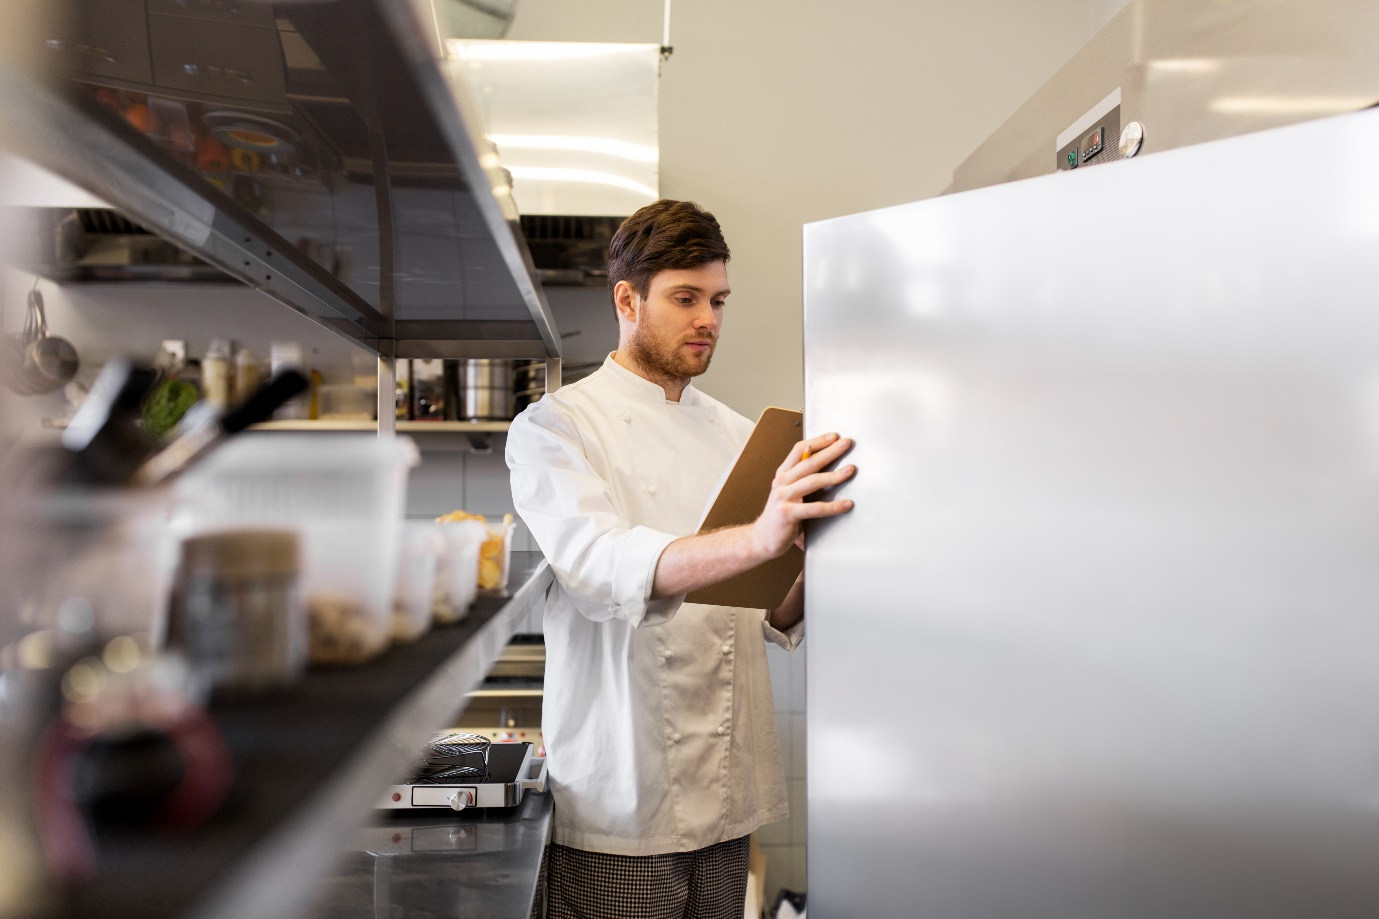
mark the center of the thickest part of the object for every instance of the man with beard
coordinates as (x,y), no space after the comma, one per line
(658,720)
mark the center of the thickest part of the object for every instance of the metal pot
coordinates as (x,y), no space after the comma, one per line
(529,384)
(43,363)
(486,392)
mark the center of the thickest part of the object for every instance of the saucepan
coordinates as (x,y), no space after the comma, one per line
(486,390)
(38,362)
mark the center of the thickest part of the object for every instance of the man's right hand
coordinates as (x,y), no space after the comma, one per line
(800,476)
(692,562)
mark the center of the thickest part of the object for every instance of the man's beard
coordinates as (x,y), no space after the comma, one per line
(663,359)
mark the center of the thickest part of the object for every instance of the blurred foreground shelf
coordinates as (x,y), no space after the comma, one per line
(309,765)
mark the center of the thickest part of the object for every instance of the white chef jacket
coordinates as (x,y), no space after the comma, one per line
(658,721)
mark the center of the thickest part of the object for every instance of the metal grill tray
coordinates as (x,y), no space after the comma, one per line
(511,771)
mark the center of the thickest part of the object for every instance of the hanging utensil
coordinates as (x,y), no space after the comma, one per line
(48,362)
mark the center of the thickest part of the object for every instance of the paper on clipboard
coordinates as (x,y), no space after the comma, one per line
(740,499)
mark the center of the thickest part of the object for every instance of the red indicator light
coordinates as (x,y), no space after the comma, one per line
(396,797)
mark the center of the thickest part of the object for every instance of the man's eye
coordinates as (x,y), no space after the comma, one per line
(685,301)
(719,304)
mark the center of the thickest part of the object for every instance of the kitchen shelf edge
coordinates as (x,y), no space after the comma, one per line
(279,878)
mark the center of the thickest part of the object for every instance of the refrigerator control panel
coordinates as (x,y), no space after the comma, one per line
(1097,143)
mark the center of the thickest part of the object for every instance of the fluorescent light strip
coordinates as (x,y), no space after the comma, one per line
(1289,105)
(588,176)
(480,50)
(1186,65)
(608,146)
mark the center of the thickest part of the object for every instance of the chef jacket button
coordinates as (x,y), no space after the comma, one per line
(626,417)
(713,416)
(674,738)
(651,489)
(726,648)
(665,655)
(722,730)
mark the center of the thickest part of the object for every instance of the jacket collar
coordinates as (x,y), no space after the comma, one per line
(640,387)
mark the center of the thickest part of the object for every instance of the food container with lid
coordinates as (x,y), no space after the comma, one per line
(344,493)
(422,548)
(93,561)
(495,557)
(347,402)
(236,609)
(457,578)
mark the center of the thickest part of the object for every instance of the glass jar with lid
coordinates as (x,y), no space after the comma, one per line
(237,609)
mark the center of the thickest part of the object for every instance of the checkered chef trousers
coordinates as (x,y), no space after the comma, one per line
(708,883)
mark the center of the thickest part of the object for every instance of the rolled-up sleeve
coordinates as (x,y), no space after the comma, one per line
(789,639)
(605,565)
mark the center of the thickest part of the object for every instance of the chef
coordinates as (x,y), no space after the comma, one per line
(658,719)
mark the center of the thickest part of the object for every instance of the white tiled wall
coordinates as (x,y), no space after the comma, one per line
(783,843)
(450,480)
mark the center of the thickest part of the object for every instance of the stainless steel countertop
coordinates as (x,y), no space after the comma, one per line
(421,864)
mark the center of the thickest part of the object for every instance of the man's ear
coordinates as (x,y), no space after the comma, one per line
(625,300)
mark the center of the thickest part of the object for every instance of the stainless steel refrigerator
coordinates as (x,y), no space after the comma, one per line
(1101,637)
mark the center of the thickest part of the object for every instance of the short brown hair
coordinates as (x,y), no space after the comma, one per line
(663,235)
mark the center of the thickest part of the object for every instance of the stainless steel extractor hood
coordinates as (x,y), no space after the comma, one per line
(99,244)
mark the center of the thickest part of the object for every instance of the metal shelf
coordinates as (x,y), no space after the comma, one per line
(308,765)
(434,265)
(479,433)
(403,427)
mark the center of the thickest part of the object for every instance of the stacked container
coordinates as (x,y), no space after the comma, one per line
(344,495)
(457,579)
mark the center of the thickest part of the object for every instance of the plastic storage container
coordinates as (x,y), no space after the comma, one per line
(457,579)
(347,402)
(422,548)
(344,494)
(97,562)
(495,557)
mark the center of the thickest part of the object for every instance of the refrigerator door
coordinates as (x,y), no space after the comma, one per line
(1114,563)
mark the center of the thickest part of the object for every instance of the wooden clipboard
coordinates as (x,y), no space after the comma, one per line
(741,499)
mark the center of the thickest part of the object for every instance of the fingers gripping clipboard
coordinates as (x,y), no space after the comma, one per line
(741,498)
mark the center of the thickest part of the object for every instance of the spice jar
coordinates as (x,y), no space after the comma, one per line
(237,609)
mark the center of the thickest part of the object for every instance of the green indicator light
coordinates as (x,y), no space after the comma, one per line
(1072,159)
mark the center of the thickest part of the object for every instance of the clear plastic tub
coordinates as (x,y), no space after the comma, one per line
(97,562)
(422,547)
(495,557)
(347,402)
(457,579)
(345,495)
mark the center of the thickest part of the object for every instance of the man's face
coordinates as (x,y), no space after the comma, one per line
(679,321)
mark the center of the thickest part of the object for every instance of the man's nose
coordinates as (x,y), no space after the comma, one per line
(706,318)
